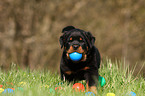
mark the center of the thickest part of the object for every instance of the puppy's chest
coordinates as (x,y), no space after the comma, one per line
(77,71)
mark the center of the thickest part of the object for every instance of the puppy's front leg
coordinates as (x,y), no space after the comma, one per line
(92,82)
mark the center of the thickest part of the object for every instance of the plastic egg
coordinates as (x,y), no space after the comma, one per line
(22,83)
(1,90)
(1,86)
(102,81)
(110,94)
(132,94)
(79,87)
(51,90)
(58,88)
(19,89)
(8,90)
(89,94)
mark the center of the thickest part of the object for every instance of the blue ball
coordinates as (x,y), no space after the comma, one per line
(75,56)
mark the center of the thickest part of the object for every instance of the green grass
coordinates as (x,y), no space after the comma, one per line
(39,83)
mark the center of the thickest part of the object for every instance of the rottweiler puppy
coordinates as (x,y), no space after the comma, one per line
(77,40)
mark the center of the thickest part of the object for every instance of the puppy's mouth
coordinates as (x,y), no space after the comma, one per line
(79,50)
(72,49)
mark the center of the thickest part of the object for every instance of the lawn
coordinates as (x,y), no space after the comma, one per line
(119,81)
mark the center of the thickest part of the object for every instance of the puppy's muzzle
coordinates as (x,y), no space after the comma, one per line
(75,47)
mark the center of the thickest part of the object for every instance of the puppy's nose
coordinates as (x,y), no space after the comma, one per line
(75,47)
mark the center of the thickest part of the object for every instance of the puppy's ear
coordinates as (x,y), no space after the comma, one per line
(68,28)
(62,38)
(91,39)
(61,41)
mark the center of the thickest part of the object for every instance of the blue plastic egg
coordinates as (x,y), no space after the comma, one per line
(75,56)
(132,94)
(8,90)
(89,94)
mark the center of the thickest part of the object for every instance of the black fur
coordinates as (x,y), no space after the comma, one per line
(76,69)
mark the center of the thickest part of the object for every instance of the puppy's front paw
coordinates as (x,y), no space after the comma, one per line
(93,89)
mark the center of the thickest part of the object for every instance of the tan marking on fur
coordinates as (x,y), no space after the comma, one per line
(87,48)
(86,68)
(87,86)
(67,56)
(68,72)
(79,50)
(92,89)
(84,58)
(70,50)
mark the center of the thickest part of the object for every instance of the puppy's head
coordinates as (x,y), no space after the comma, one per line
(76,40)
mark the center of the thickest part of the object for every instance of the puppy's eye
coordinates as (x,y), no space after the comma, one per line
(81,39)
(70,39)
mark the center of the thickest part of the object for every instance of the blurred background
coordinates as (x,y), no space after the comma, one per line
(30,30)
